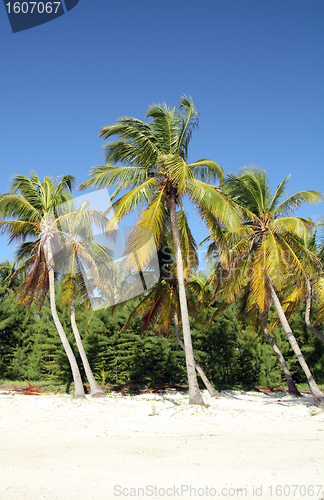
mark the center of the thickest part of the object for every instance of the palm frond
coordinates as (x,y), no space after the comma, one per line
(150,222)
(178,172)
(16,205)
(187,243)
(207,170)
(295,225)
(164,127)
(250,190)
(275,264)
(298,200)
(137,144)
(208,198)
(281,189)
(104,176)
(189,121)
(319,290)
(129,202)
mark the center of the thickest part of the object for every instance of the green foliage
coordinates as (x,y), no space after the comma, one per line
(130,356)
(311,347)
(16,324)
(230,355)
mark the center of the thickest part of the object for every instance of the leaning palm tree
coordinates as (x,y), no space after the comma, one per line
(224,267)
(156,177)
(310,291)
(29,217)
(271,248)
(251,316)
(78,265)
(73,286)
(315,287)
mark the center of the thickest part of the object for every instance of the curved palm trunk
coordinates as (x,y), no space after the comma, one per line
(195,396)
(292,389)
(212,391)
(317,395)
(78,386)
(311,328)
(95,389)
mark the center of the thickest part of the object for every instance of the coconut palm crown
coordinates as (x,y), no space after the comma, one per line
(271,245)
(155,169)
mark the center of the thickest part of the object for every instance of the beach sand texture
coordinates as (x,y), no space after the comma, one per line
(244,445)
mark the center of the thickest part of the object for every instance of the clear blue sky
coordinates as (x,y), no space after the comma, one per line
(254,69)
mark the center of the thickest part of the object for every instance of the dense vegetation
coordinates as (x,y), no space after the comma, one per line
(266,268)
(232,356)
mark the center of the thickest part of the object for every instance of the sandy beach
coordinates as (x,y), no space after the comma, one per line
(244,445)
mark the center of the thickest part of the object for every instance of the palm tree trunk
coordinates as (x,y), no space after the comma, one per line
(212,391)
(195,396)
(311,328)
(317,395)
(78,385)
(95,389)
(292,389)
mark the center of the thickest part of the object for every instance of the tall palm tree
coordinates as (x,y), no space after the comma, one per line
(271,248)
(156,176)
(29,217)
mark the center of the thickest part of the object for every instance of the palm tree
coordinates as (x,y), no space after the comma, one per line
(77,261)
(271,248)
(318,288)
(312,290)
(28,214)
(248,312)
(160,309)
(292,389)
(218,252)
(253,317)
(73,285)
(156,176)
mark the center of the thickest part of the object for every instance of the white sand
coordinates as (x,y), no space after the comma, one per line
(55,448)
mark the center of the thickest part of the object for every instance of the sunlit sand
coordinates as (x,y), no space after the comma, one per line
(157,446)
